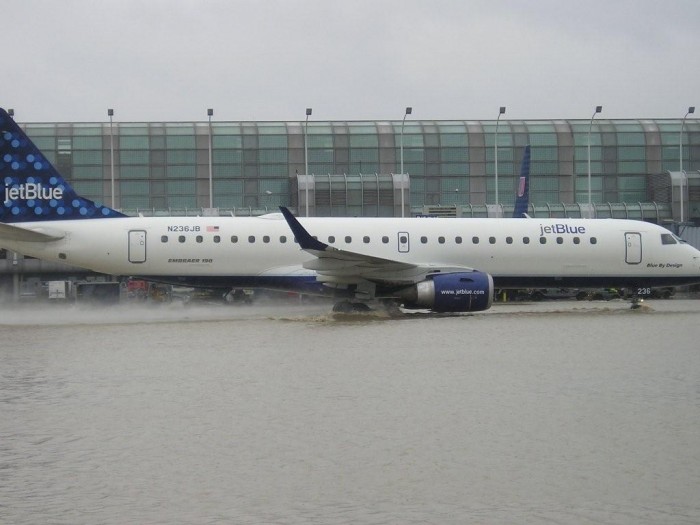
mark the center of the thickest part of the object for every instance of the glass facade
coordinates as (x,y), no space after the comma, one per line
(164,167)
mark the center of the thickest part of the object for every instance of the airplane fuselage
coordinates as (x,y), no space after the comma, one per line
(261,252)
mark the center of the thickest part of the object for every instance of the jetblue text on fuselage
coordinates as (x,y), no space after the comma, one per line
(562,228)
(31,190)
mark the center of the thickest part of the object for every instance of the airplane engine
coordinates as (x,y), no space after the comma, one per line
(452,292)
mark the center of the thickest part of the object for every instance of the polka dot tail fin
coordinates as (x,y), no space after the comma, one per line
(33,190)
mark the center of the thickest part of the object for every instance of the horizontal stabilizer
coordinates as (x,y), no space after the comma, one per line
(18,233)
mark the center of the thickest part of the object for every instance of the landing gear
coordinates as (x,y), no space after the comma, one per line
(636,302)
(348,307)
(381,307)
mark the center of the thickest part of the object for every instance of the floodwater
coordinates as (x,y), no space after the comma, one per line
(560,412)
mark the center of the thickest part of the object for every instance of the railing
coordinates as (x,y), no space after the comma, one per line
(648,211)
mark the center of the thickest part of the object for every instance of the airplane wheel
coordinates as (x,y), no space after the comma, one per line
(347,307)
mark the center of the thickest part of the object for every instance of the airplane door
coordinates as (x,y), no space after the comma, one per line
(633,248)
(404,244)
(137,246)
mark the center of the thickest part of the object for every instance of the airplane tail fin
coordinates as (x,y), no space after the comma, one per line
(522,200)
(33,189)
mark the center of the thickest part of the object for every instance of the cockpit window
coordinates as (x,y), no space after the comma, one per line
(667,238)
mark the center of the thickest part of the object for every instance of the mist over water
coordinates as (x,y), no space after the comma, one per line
(528,413)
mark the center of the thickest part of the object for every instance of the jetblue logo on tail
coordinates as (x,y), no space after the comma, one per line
(31,191)
(34,190)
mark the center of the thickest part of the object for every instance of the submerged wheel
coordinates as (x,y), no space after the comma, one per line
(636,302)
(347,307)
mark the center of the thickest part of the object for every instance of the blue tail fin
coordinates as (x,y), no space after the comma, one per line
(522,200)
(33,189)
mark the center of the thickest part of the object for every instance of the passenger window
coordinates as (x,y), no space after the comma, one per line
(577,240)
(266,239)
(199,238)
(543,240)
(424,239)
(283,239)
(475,240)
(560,240)
(458,240)
(594,240)
(181,238)
(348,239)
(365,239)
(492,240)
(509,240)
(164,238)
(667,238)
(526,240)
(217,238)
(234,238)
(385,239)
(331,239)
(251,239)
(441,240)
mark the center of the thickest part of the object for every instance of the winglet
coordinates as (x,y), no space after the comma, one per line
(522,201)
(306,241)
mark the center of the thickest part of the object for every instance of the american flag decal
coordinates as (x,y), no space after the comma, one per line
(211,229)
(521,187)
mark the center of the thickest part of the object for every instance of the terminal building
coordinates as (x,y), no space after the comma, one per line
(647,169)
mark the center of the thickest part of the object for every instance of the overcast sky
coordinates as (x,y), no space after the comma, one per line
(154,60)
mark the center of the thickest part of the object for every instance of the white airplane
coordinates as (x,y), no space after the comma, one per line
(446,265)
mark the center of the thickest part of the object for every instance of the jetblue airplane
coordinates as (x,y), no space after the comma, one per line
(445,265)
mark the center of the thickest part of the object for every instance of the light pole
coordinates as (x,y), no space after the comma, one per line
(598,109)
(408,111)
(110,114)
(210,114)
(691,110)
(306,158)
(501,111)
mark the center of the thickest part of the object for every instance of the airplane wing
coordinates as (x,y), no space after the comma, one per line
(343,266)
(18,233)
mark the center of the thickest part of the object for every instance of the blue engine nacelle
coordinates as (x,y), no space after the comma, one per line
(452,292)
